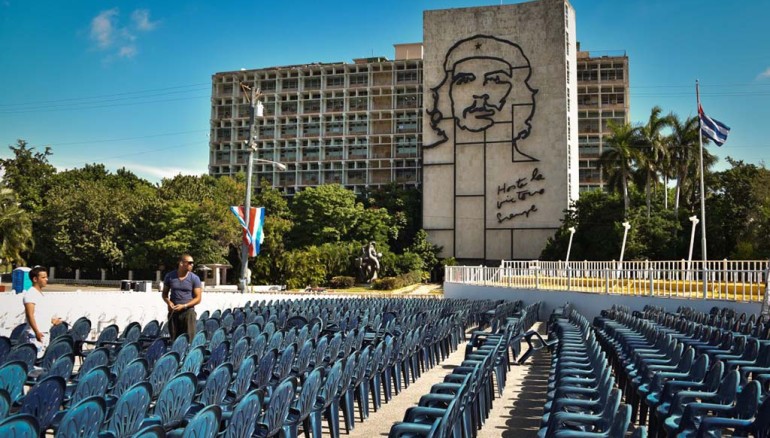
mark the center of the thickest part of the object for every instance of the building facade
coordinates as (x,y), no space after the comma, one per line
(603,95)
(357,124)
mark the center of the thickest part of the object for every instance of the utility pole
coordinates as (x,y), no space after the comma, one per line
(255,109)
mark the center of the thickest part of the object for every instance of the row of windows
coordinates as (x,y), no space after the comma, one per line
(335,81)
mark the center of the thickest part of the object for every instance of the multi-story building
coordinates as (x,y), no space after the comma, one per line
(356,124)
(602,96)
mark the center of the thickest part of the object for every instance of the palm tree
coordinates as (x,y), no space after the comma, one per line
(15,228)
(619,156)
(653,150)
(683,144)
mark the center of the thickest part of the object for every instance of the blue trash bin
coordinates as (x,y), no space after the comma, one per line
(20,281)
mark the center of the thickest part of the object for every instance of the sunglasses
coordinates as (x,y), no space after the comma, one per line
(190,262)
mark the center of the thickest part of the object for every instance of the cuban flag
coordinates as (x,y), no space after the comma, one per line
(253,234)
(713,129)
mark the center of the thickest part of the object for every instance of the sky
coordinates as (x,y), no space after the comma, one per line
(128,83)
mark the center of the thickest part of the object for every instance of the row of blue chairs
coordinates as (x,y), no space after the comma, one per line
(691,384)
(582,399)
(460,404)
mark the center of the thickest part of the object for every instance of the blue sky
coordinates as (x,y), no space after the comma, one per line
(127,83)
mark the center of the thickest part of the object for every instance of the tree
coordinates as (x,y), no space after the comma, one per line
(619,157)
(405,207)
(15,229)
(27,174)
(653,151)
(327,213)
(683,146)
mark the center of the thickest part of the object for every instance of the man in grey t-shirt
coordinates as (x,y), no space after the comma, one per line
(182,290)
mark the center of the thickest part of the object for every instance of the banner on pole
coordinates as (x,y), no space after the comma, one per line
(253,234)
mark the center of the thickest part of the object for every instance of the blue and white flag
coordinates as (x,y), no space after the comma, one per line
(713,129)
(253,234)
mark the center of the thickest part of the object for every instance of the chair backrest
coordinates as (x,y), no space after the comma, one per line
(245,416)
(127,353)
(108,334)
(5,347)
(308,394)
(136,371)
(20,426)
(329,389)
(93,383)
(180,345)
(265,368)
(44,400)
(217,357)
(13,374)
(154,351)
(151,330)
(193,361)
(219,336)
(130,410)
(132,332)
(303,358)
(164,369)
(276,340)
(26,353)
(96,358)
(217,385)
(239,352)
(284,363)
(205,424)
(57,330)
(242,380)
(175,398)
(620,423)
(17,334)
(83,420)
(62,366)
(56,350)
(199,340)
(278,409)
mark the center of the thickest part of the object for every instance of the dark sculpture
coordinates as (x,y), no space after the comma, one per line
(369,263)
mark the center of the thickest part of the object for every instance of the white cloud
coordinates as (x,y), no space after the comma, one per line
(127,51)
(119,38)
(103,28)
(159,172)
(141,19)
(765,74)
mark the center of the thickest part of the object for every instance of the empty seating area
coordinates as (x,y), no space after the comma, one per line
(268,368)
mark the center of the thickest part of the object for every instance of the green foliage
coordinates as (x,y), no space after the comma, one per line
(324,214)
(405,207)
(27,174)
(427,251)
(15,228)
(342,282)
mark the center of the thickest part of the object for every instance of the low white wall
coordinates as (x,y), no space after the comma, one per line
(114,307)
(588,304)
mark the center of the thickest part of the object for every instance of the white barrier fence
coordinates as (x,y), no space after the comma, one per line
(743,280)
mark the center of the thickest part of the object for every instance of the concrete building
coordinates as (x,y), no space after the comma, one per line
(603,85)
(356,124)
(500,153)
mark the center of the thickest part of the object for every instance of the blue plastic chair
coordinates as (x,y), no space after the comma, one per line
(205,424)
(126,354)
(326,404)
(20,426)
(129,411)
(26,353)
(239,352)
(265,367)
(214,391)
(44,400)
(219,336)
(283,364)
(301,409)
(193,362)
(242,382)
(199,340)
(83,420)
(61,367)
(96,358)
(174,400)
(13,374)
(136,371)
(180,345)
(164,369)
(80,330)
(153,431)
(154,351)
(93,383)
(58,330)
(241,421)
(277,410)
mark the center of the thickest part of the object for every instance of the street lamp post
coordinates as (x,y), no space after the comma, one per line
(255,110)
(569,246)
(626,226)
(694,219)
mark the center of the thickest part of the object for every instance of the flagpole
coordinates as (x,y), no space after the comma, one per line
(702,192)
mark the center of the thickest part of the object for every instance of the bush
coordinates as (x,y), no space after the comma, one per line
(386,283)
(342,282)
(403,280)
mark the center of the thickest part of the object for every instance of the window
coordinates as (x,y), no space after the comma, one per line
(335,81)
(359,79)
(267,85)
(312,83)
(406,76)
(290,84)
(336,104)
(358,104)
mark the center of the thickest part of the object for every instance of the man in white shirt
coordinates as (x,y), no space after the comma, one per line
(33,297)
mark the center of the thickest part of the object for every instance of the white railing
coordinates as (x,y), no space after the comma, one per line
(740,280)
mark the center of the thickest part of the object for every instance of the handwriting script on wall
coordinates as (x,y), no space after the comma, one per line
(516,199)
